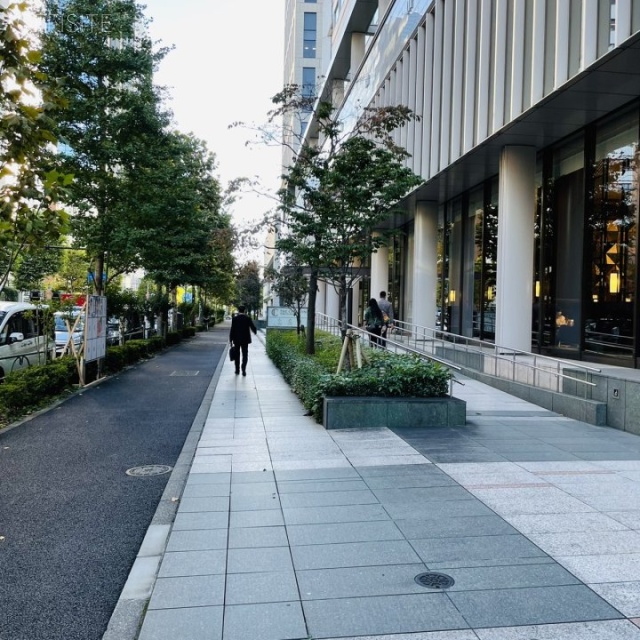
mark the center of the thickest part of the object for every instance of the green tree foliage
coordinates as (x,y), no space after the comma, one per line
(249,287)
(30,182)
(74,269)
(338,191)
(292,287)
(34,266)
(101,54)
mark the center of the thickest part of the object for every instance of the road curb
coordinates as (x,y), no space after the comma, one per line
(128,615)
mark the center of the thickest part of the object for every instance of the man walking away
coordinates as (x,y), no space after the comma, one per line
(386,308)
(240,336)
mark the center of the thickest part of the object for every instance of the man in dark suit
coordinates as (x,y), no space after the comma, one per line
(240,336)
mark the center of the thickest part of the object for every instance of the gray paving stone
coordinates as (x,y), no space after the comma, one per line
(205,490)
(303,486)
(255,503)
(394,471)
(255,588)
(207,520)
(494,562)
(439,550)
(352,582)
(317,515)
(438,479)
(353,554)
(274,621)
(422,495)
(455,527)
(197,540)
(253,489)
(223,478)
(192,591)
(200,505)
(259,560)
(252,537)
(243,477)
(455,508)
(508,576)
(193,563)
(513,607)
(383,614)
(328,498)
(183,624)
(266,518)
(309,534)
(316,474)
(607,630)
(624,596)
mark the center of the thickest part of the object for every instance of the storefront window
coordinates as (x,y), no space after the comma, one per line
(612,230)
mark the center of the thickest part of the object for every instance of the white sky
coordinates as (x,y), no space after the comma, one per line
(226,65)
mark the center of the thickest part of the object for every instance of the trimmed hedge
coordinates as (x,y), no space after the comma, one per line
(386,375)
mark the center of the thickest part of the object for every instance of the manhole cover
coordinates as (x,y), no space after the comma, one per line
(434,580)
(149,470)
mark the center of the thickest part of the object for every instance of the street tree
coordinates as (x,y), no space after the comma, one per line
(101,54)
(338,192)
(249,287)
(33,266)
(30,180)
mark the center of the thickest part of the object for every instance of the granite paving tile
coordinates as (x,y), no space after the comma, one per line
(199,505)
(256,588)
(605,630)
(266,518)
(380,615)
(350,513)
(251,476)
(322,584)
(209,478)
(327,499)
(255,503)
(428,635)
(258,560)
(310,534)
(193,563)
(206,490)
(564,523)
(528,606)
(302,486)
(197,540)
(587,542)
(422,480)
(630,519)
(254,537)
(192,591)
(207,520)
(603,568)
(624,596)
(253,489)
(421,495)
(453,527)
(353,554)
(183,624)
(272,621)
(439,550)
(442,509)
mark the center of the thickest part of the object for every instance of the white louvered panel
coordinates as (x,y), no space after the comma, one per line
(436,94)
(561,70)
(537,72)
(469,112)
(458,81)
(484,71)
(499,65)
(589,44)
(448,37)
(517,62)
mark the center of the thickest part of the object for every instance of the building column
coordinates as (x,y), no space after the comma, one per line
(321,302)
(333,301)
(516,213)
(379,271)
(425,252)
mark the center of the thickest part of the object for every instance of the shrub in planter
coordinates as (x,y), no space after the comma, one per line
(155,343)
(188,332)
(115,359)
(173,338)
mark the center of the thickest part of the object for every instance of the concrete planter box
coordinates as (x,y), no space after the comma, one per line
(359,412)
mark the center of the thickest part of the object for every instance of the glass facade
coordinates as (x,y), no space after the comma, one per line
(310,35)
(585,288)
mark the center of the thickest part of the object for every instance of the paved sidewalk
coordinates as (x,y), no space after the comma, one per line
(286,531)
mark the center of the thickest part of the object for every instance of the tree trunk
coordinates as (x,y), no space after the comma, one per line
(311,313)
(97,276)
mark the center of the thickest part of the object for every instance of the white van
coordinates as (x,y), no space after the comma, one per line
(23,336)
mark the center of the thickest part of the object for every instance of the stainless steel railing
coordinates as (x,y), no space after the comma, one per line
(453,350)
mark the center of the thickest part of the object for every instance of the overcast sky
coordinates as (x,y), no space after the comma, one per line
(226,65)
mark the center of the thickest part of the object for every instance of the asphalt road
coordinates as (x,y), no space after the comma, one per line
(71,518)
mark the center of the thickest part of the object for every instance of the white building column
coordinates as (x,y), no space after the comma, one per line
(516,213)
(379,271)
(425,252)
(333,301)
(321,302)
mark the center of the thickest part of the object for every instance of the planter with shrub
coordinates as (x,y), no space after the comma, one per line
(391,390)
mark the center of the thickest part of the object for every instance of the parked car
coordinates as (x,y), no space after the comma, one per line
(63,321)
(23,336)
(113,332)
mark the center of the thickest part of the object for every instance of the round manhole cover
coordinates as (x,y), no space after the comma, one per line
(434,580)
(149,470)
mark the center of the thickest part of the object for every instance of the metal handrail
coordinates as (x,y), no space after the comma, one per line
(438,337)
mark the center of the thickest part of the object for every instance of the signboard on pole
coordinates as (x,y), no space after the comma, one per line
(95,330)
(284,318)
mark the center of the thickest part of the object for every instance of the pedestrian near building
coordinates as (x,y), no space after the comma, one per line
(386,308)
(373,321)
(240,336)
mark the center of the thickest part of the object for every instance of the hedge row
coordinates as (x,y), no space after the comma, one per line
(385,375)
